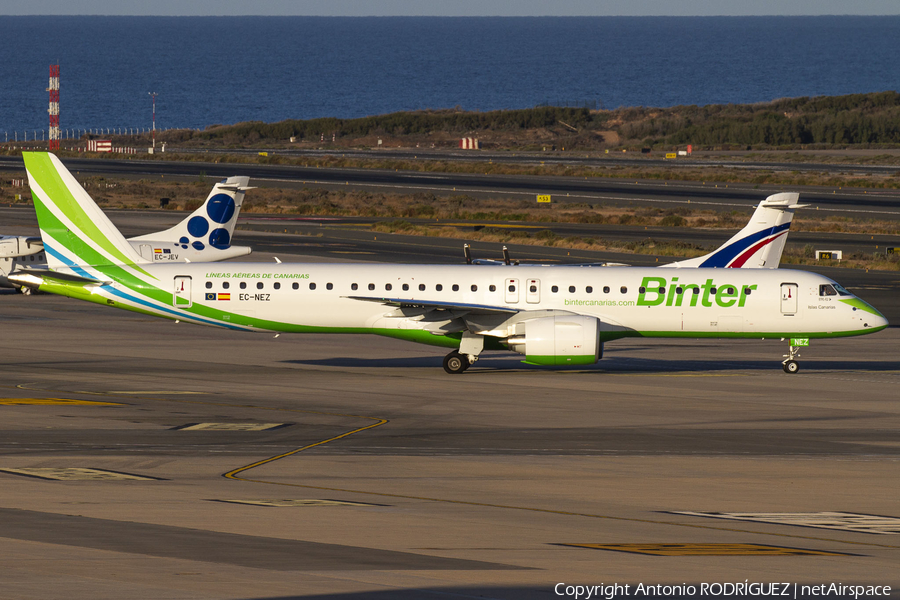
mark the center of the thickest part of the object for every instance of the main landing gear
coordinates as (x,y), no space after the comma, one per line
(458,363)
(470,346)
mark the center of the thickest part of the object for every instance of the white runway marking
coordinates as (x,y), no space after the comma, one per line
(231,426)
(841,521)
(77,474)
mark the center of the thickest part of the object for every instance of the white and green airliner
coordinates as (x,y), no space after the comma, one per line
(553,315)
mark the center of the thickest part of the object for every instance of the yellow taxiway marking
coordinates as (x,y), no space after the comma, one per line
(707,549)
(299,502)
(53,401)
(77,474)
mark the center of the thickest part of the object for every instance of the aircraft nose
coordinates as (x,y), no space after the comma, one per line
(868,314)
(874,320)
(880,321)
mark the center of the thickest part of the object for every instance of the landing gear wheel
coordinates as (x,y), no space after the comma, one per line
(791,366)
(25,290)
(455,363)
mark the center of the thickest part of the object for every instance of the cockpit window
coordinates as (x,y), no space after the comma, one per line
(827,289)
(842,290)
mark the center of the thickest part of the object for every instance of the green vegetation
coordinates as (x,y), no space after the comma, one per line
(826,121)
(402,123)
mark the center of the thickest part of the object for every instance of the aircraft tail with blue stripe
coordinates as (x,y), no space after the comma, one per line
(760,244)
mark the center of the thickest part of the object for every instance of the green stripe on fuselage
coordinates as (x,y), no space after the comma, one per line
(861,305)
(42,170)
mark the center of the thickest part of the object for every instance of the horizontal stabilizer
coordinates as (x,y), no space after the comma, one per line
(34,277)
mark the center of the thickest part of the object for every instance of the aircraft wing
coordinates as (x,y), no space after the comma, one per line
(438,305)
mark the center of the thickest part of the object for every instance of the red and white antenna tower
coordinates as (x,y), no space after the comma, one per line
(53,144)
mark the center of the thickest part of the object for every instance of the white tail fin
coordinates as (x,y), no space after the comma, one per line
(758,245)
(211,225)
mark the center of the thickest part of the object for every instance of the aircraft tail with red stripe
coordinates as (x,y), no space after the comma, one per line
(758,245)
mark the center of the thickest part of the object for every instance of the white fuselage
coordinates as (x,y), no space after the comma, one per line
(628,300)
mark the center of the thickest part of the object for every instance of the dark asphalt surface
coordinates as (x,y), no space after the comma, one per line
(869,203)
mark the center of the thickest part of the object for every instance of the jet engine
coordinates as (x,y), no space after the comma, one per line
(558,340)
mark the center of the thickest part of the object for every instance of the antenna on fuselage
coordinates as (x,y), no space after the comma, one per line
(468,252)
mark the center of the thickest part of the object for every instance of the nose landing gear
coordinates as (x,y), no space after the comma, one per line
(789,364)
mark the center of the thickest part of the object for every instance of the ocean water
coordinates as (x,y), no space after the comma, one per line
(210,70)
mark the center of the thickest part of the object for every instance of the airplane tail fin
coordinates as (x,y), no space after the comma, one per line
(758,245)
(213,223)
(73,228)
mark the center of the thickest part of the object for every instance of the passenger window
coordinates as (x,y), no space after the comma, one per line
(421,287)
(209,285)
(571,289)
(493,288)
(605,289)
(474,288)
(354,286)
(623,289)
(554,288)
(712,291)
(295,285)
(589,289)
(259,285)
(405,287)
(455,287)
(243,285)
(388,286)
(276,285)
(512,288)
(371,287)
(312,286)
(532,289)
(679,290)
(729,290)
(225,285)
(439,287)
(696,291)
(642,290)
(747,291)
(662,289)
(329,286)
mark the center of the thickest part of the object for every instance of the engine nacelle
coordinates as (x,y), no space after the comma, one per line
(560,340)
